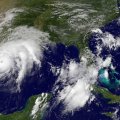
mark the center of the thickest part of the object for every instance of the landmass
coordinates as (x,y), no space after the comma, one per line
(68,22)
(34,109)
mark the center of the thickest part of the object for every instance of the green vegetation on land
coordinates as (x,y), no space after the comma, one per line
(112,98)
(39,13)
(107,95)
(25,114)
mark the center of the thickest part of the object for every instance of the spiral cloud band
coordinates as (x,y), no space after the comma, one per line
(18,53)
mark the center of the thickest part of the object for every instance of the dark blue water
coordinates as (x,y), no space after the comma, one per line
(44,79)
(41,81)
(114,29)
(88,112)
(100,105)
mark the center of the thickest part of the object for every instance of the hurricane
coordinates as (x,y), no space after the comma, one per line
(20,52)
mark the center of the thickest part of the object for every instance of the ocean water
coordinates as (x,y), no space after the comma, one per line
(41,81)
(94,110)
(44,79)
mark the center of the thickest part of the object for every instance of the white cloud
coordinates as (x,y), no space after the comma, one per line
(40,104)
(7,17)
(108,40)
(77,80)
(106,74)
(97,31)
(76,96)
(107,62)
(19,51)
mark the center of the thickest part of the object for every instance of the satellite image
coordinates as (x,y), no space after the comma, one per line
(59,59)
